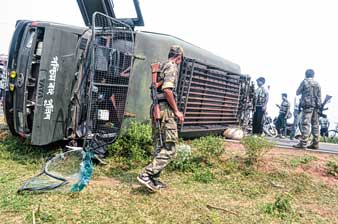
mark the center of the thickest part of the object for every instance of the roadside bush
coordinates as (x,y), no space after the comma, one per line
(209,146)
(255,148)
(134,146)
(203,175)
(333,140)
(332,168)
(184,159)
(281,207)
(232,165)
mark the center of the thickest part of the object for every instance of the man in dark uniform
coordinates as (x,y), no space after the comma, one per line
(168,111)
(310,104)
(284,110)
(262,98)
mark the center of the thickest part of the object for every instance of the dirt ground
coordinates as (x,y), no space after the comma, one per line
(279,159)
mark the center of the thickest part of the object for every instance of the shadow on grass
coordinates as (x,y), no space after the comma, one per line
(128,177)
(123,176)
(141,190)
(15,148)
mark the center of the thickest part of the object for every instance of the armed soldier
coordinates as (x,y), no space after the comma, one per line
(310,104)
(165,133)
(262,98)
(284,110)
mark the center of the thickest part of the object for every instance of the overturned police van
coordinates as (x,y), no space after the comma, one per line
(67,83)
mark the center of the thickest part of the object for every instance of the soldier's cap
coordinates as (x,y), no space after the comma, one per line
(285,94)
(176,49)
(309,73)
(261,79)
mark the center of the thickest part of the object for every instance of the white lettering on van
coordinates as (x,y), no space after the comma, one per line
(52,75)
(48,106)
(48,109)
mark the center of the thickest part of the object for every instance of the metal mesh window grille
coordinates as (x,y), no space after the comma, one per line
(111,64)
(208,96)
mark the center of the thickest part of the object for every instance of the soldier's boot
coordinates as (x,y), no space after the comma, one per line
(159,184)
(300,145)
(314,145)
(147,181)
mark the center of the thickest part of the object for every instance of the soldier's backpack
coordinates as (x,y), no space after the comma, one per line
(310,95)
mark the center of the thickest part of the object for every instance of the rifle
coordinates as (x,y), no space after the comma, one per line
(322,106)
(155,112)
(252,96)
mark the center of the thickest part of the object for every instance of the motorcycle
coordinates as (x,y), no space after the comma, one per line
(269,128)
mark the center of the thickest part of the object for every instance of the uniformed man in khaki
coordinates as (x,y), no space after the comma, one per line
(310,104)
(168,110)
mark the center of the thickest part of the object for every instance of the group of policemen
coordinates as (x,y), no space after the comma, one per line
(165,138)
(307,111)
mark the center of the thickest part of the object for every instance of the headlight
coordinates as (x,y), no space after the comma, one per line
(12,74)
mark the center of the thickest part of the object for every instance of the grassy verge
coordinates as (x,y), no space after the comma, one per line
(218,191)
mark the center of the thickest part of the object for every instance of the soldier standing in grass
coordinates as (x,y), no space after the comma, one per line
(310,104)
(168,110)
(284,110)
(262,98)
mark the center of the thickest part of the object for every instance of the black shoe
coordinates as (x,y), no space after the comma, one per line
(147,182)
(299,146)
(159,184)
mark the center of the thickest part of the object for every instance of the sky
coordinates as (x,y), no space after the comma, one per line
(276,39)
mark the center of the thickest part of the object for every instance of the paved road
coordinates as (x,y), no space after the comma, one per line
(287,143)
(323,147)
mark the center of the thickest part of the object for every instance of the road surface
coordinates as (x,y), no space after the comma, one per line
(287,143)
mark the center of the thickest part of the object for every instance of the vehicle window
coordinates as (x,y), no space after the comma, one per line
(29,39)
(124,9)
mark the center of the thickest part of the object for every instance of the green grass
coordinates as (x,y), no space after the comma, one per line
(221,193)
(302,160)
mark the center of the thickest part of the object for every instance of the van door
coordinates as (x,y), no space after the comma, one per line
(132,7)
(54,85)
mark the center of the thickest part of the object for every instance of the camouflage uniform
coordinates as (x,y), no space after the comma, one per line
(282,117)
(164,154)
(310,103)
